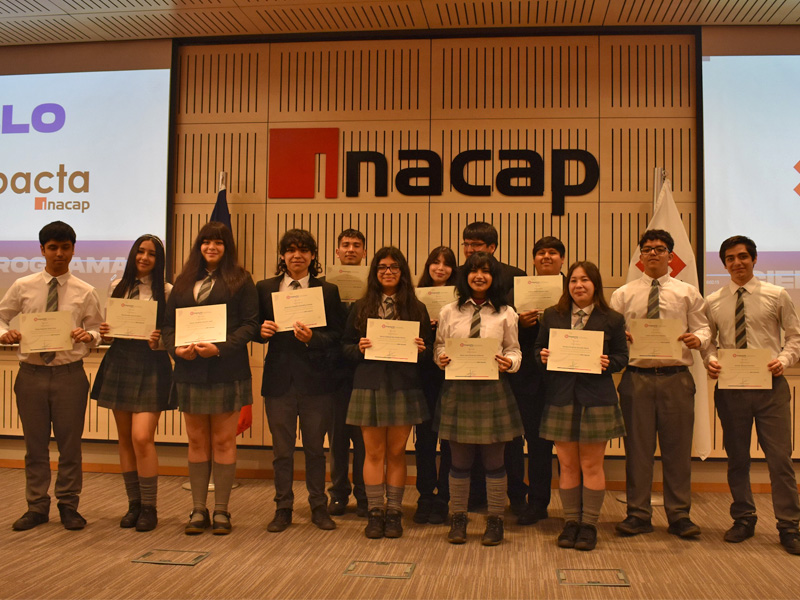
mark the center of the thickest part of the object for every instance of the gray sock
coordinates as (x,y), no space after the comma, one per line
(394,497)
(592,503)
(496,486)
(131,480)
(199,476)
(223,483)
(149,489)
(571,503)
(459,490)
(376,496)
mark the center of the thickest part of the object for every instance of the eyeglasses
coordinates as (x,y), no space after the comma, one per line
(659,250)
(473,245)
(390,268)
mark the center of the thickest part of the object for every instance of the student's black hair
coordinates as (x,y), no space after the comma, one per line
(406,305)
(57,231)
(749,245)
(550,241)
(351,233)
(157,275)
(657,235)
(476,261)
(303,240)
(228,270)
(449,259)
(480,230)
(564,305)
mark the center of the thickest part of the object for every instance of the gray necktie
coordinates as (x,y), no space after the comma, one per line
(205,289)
(295,285)
(652,301)
(134,293)
(580,324)
(388,310)
(739,320)
(475,324)
(52,306)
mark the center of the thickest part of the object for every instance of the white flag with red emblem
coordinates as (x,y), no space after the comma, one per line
(683,267)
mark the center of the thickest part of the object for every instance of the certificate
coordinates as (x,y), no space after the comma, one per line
(306,306)
(656,338)
(131,319)
(744,369)
(45,331)
(201,324)
(575,350)
(392,340)
(434,298)
(537,293)
(471,358)
(350,279)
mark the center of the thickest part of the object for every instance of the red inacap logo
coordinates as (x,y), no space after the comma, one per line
(292,158)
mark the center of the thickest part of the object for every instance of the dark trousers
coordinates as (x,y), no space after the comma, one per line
(54,396)
(314,413)
(770,409)
(340,436)
(658,407)
(540,451)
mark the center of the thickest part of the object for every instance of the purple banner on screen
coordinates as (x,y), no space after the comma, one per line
(780,268)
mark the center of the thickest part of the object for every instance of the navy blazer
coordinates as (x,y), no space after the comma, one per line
(588,389)
(370,374)
(233,362)
(291,363)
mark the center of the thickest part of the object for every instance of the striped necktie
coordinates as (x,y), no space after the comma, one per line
(475,324)
(294,285)
(652,301)
(134,293)
(739,320)
(52,306)
(580,324)
(205,289)
(388,310)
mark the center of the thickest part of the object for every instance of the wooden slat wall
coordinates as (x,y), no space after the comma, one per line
(629,100)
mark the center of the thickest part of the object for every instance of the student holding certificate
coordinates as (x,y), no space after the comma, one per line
(440,270)
(134,381)
(479,416)
(212,381)
(582,410)
(387,398)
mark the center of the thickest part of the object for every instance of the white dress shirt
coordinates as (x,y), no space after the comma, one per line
(676,300)
(767,309)
(455,322)
(29,295)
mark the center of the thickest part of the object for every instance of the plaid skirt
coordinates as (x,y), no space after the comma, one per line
(213,398)
(477,412)
(578,423)
(385,408)
(134,378)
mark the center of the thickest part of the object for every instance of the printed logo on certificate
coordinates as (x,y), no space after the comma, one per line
(744,369)
(45,331)
(305,306)
(392,340)
(575,350)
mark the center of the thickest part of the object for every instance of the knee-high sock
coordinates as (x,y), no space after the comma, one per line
(496,486)
(376,496)
(149,490)
(459,489)
(223,483)
(571,502)
(592,503)
(131,480)
(199,476)
(394,497)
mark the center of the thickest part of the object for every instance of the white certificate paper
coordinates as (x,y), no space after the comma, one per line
(537,293)
(656,338)
(131,319)
(434,298)
(350,279)
(201,324)
(744,369)
(306,306)
(471,358)
(392,340)
(45,331)
(575,350)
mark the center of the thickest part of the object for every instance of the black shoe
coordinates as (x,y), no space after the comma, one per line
(320,518)
(587,537)
(132,516)
(517,508)
(634,526)
(742,529)
(281,520)
(790,539)
(198,522)
(71,519)
(148,518)
(362,510)
(375,525)
(684,528)
(532,514)
(394,524)
(438,513)
(423,512)
(494,531)
(569,535)
(221,523)
(337,506)
(30,520)
(458,529)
